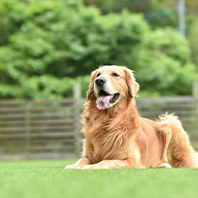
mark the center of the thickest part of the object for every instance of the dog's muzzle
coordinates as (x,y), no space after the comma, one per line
(105,99)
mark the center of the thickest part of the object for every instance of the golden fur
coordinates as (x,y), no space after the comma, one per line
(117,137)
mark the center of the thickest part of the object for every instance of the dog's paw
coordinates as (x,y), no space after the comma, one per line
(89,167)
(164,165)
(72,167)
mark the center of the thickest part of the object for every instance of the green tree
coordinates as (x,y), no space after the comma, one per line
(193,40)
(156,12)
(166,64)
(46,44)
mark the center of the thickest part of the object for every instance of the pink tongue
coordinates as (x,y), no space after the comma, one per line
(102,102)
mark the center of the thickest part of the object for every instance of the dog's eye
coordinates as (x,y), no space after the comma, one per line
(98,75)
(115,74)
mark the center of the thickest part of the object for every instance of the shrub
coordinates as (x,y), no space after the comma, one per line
(46,44)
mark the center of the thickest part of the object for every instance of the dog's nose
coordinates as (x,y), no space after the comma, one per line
(100,81)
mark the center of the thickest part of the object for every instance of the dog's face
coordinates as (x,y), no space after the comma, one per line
(110,84)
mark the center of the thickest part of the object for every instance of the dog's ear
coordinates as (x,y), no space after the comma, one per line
(90,92)
(133,86)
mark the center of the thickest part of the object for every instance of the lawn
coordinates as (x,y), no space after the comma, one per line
(43,179)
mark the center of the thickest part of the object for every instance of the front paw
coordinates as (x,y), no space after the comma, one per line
(89,167)
(164,165)
(72,167)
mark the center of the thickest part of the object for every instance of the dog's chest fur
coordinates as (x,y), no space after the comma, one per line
(108,133)
(108,145)
(106,141)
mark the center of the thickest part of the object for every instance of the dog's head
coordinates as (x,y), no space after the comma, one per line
(110,84)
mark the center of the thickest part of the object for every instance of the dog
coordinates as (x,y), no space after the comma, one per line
(117,137)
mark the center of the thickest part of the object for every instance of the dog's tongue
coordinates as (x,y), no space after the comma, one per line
(102,102)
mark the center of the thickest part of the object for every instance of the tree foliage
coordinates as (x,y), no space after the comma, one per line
(47,46)
(193,40)
(156,12)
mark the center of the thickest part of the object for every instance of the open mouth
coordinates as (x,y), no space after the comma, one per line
(106,100)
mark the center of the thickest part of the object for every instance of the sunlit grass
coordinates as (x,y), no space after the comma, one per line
(49,179)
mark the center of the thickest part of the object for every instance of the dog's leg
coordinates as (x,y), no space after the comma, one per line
(79,164)
(182,153)
(166,137)
(110,164)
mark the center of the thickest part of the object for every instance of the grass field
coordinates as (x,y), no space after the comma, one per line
(43,179)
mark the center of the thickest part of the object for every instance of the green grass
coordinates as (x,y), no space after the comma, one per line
(48,179)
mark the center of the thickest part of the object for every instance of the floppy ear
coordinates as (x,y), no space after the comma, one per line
(90,92)
(133,86)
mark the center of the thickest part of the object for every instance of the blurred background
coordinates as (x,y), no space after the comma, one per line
(48,48)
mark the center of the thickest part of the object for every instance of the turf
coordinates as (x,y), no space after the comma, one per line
(43,179)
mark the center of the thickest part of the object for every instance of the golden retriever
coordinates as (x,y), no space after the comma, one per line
(117,137)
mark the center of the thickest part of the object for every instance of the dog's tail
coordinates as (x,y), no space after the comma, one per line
(181,153)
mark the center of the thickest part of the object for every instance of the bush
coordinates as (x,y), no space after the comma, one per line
(192,37)
(165,64)
(46,44)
